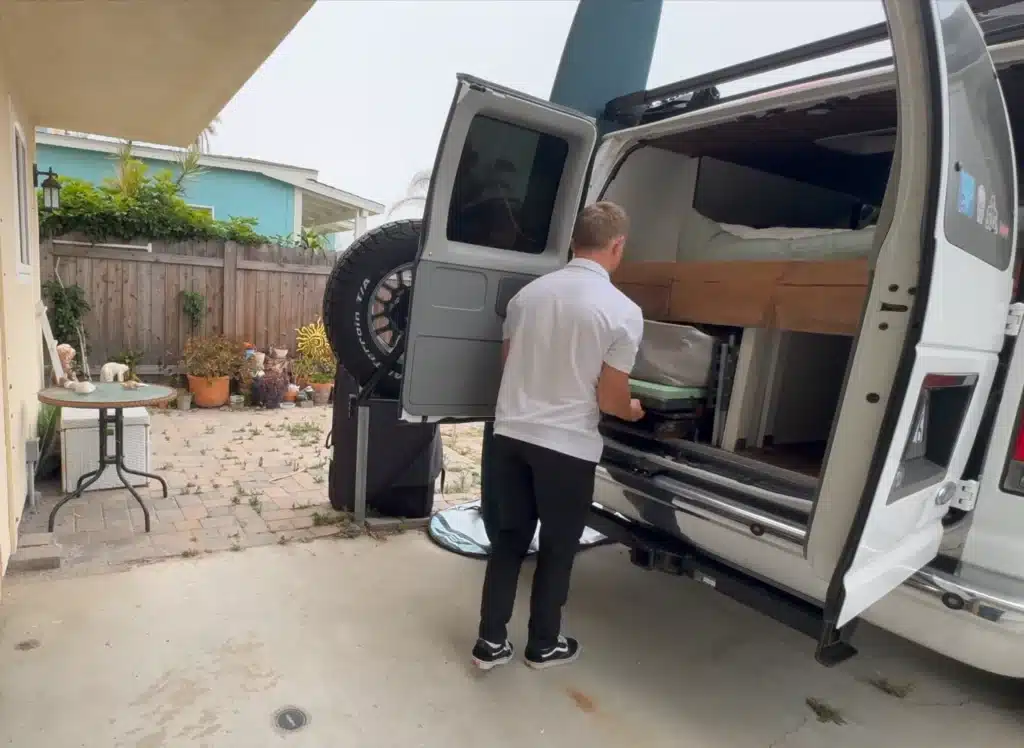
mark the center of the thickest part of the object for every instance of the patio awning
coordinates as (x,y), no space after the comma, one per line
(148,70)
(330,210)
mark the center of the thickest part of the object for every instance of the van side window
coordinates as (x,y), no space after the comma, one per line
(506,186)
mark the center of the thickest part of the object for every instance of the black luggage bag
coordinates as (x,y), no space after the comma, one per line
(403,459)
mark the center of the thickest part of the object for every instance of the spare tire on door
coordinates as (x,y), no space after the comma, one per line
(367,301)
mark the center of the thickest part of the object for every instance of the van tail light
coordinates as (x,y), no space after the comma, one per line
(942,405)
(1013,477)
(1018,444)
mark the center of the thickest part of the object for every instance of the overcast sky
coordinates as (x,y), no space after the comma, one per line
(361,88)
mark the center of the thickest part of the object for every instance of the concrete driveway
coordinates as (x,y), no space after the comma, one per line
(371,639)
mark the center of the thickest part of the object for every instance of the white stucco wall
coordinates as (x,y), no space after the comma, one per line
(20,334)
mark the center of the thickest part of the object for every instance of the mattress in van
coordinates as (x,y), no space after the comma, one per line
(665,398)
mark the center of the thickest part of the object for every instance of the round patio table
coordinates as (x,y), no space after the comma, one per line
(110,399)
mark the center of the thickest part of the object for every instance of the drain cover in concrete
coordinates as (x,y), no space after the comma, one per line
(290,719)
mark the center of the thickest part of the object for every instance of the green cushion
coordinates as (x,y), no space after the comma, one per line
(664,391)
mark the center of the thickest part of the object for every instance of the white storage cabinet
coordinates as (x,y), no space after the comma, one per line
(80,447)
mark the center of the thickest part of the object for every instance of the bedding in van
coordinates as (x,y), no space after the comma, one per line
(732,242)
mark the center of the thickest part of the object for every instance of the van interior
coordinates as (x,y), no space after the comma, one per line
(750,251)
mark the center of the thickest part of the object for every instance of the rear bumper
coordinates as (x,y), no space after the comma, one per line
(978,623)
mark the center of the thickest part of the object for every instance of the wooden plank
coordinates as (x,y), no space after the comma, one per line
(249,315)
(241,327)
(83,271)
(275,310)
(129,310)
(115,317)
(215,287)
(260,315)
(229,314)
(106,331)
(185,284)
(172,303)
(309,311)
(290,309)
(121,255)
(802,295)
(276,267)
(144,303)
(832,310)
(157,301)
(652,299)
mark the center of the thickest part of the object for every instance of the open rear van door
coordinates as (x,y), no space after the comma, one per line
(504,195)
(956,316)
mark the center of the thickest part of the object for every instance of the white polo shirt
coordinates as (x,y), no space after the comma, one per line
(562,327)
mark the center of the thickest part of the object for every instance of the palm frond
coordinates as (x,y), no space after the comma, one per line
(202,143)
(129,172)
(189,165)
(415,193)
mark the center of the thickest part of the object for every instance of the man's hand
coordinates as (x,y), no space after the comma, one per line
(636,410)
(613,396)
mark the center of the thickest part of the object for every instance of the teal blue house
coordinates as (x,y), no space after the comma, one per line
(283,198)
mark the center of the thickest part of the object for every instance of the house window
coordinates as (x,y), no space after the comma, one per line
(207,209)
(505,188)
(24,192)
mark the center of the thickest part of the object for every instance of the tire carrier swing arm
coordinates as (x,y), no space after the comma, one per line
(359,406)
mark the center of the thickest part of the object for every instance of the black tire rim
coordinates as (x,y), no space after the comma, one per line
(388,307)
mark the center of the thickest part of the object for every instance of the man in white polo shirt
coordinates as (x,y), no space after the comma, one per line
(570,341)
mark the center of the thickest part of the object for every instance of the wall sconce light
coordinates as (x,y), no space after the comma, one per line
(50,187)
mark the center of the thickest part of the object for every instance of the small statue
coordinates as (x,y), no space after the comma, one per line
(113,372)
(67,354)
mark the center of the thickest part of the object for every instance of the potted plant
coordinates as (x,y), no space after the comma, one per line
(318,374)
(273,386)
(302,367)
(321,379)
(129,358)
(210,363)
(184,400)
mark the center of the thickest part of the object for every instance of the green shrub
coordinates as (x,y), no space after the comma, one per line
(136,206)
(66,305)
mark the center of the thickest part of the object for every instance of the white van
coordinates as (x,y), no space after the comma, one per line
(836,464)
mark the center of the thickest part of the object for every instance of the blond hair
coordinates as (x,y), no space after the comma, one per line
(597,225)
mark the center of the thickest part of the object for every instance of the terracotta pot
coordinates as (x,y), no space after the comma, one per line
(291,393)
(209,393)
(321,393)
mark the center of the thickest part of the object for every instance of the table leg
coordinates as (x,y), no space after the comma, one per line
(86,476)
(121,469)
(163,483)
(92,478)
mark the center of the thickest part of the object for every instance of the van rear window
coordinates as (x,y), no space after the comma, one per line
(506,186)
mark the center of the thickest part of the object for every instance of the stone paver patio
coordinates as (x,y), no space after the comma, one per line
(236,479)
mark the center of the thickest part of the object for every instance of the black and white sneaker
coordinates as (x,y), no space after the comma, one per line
(566,651)
(487,655)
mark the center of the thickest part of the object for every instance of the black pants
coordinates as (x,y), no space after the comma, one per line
(527,483)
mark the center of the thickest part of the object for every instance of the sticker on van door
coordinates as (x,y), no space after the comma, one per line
(968,188)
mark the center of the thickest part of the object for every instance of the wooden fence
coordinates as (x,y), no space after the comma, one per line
(258,294)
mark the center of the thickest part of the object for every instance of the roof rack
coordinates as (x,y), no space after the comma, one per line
(701,90)
(631,108)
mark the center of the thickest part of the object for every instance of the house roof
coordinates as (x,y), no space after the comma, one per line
(327,204)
